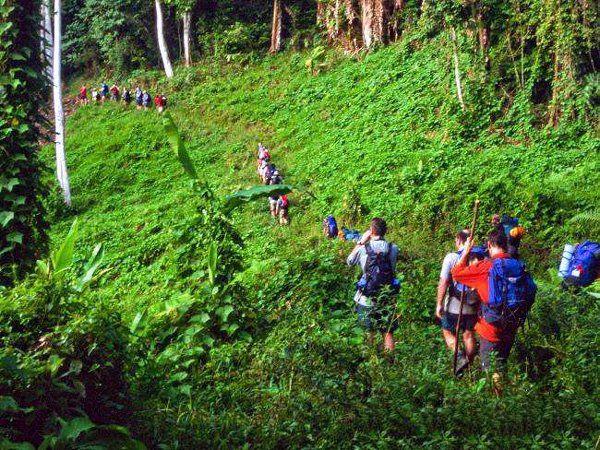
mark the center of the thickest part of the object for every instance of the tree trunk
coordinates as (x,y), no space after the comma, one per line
(459,93)
(367,20)
(162,43)
(61,161)
(187,38)
(46,38)
(483,34)
(377,24)
(277,27)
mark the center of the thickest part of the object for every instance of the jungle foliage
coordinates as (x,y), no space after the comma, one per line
(22,84)
(172,310)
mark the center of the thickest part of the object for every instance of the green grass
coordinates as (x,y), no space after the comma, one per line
(389,129)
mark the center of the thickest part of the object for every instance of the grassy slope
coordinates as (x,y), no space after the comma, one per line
(389,126)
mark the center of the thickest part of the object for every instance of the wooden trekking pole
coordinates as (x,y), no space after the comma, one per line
(462,293)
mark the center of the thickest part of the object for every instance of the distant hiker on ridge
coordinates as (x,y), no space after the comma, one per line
(83,97)
(104,91)
(115,94)
(139,97)
(377,285)
(126,96)
(146,100)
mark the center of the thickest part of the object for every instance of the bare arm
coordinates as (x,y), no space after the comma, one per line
(441,293)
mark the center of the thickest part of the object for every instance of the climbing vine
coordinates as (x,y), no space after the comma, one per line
(22,228)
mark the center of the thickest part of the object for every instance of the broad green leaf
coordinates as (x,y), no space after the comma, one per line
(6,217)
(90,267)
(224,311)
(179,376)
(5,444)
(212,262)
(64,257)
(43,267)
(178,146)
(15,237)
(54,362)
(73,428)
(240,197)
(136,321)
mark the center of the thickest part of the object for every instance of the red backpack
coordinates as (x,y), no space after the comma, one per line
(284,201)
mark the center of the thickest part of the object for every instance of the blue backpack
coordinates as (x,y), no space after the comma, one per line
(511,293)
(584,264)
(330,227)
(378,272)
(508,223)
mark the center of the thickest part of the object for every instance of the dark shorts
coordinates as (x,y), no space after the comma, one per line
(467,322)
(500,350)
(377,318)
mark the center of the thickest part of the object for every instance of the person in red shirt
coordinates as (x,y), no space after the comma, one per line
(160,102)
(83,98)
(492,338)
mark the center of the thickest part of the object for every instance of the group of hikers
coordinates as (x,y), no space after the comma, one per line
(143,99)
(483,290)
(270,175)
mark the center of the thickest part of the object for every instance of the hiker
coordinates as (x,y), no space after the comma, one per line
(448,303)
(275,178)
(268,172)
(82,97)
(104,91)
(273,199)
(507,292)
(263,158)
(377,259)
(261,169)
(146,100)
(160,101)
(139,97)
(115,94)
(126,96)
(282,210)
(509,226)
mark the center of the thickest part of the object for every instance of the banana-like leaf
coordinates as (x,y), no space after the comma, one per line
(212,262)
(240,197)
(178,146)
(64,257)
(90,268)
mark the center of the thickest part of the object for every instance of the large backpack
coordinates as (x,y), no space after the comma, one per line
(508,223)
(584,264)
(378,271)
(511,293)
(456,289)
(330,227)
(283,201)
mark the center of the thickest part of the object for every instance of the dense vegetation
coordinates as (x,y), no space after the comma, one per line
(22,227)
(168,315)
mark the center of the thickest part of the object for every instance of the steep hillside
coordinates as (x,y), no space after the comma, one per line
(382,136)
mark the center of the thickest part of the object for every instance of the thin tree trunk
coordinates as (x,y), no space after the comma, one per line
(368,19)
(61,161)
(277,27)
(187,38)
(459,93)
(46,38)
(162,43)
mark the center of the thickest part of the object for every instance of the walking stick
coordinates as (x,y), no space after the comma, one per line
(462,293)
